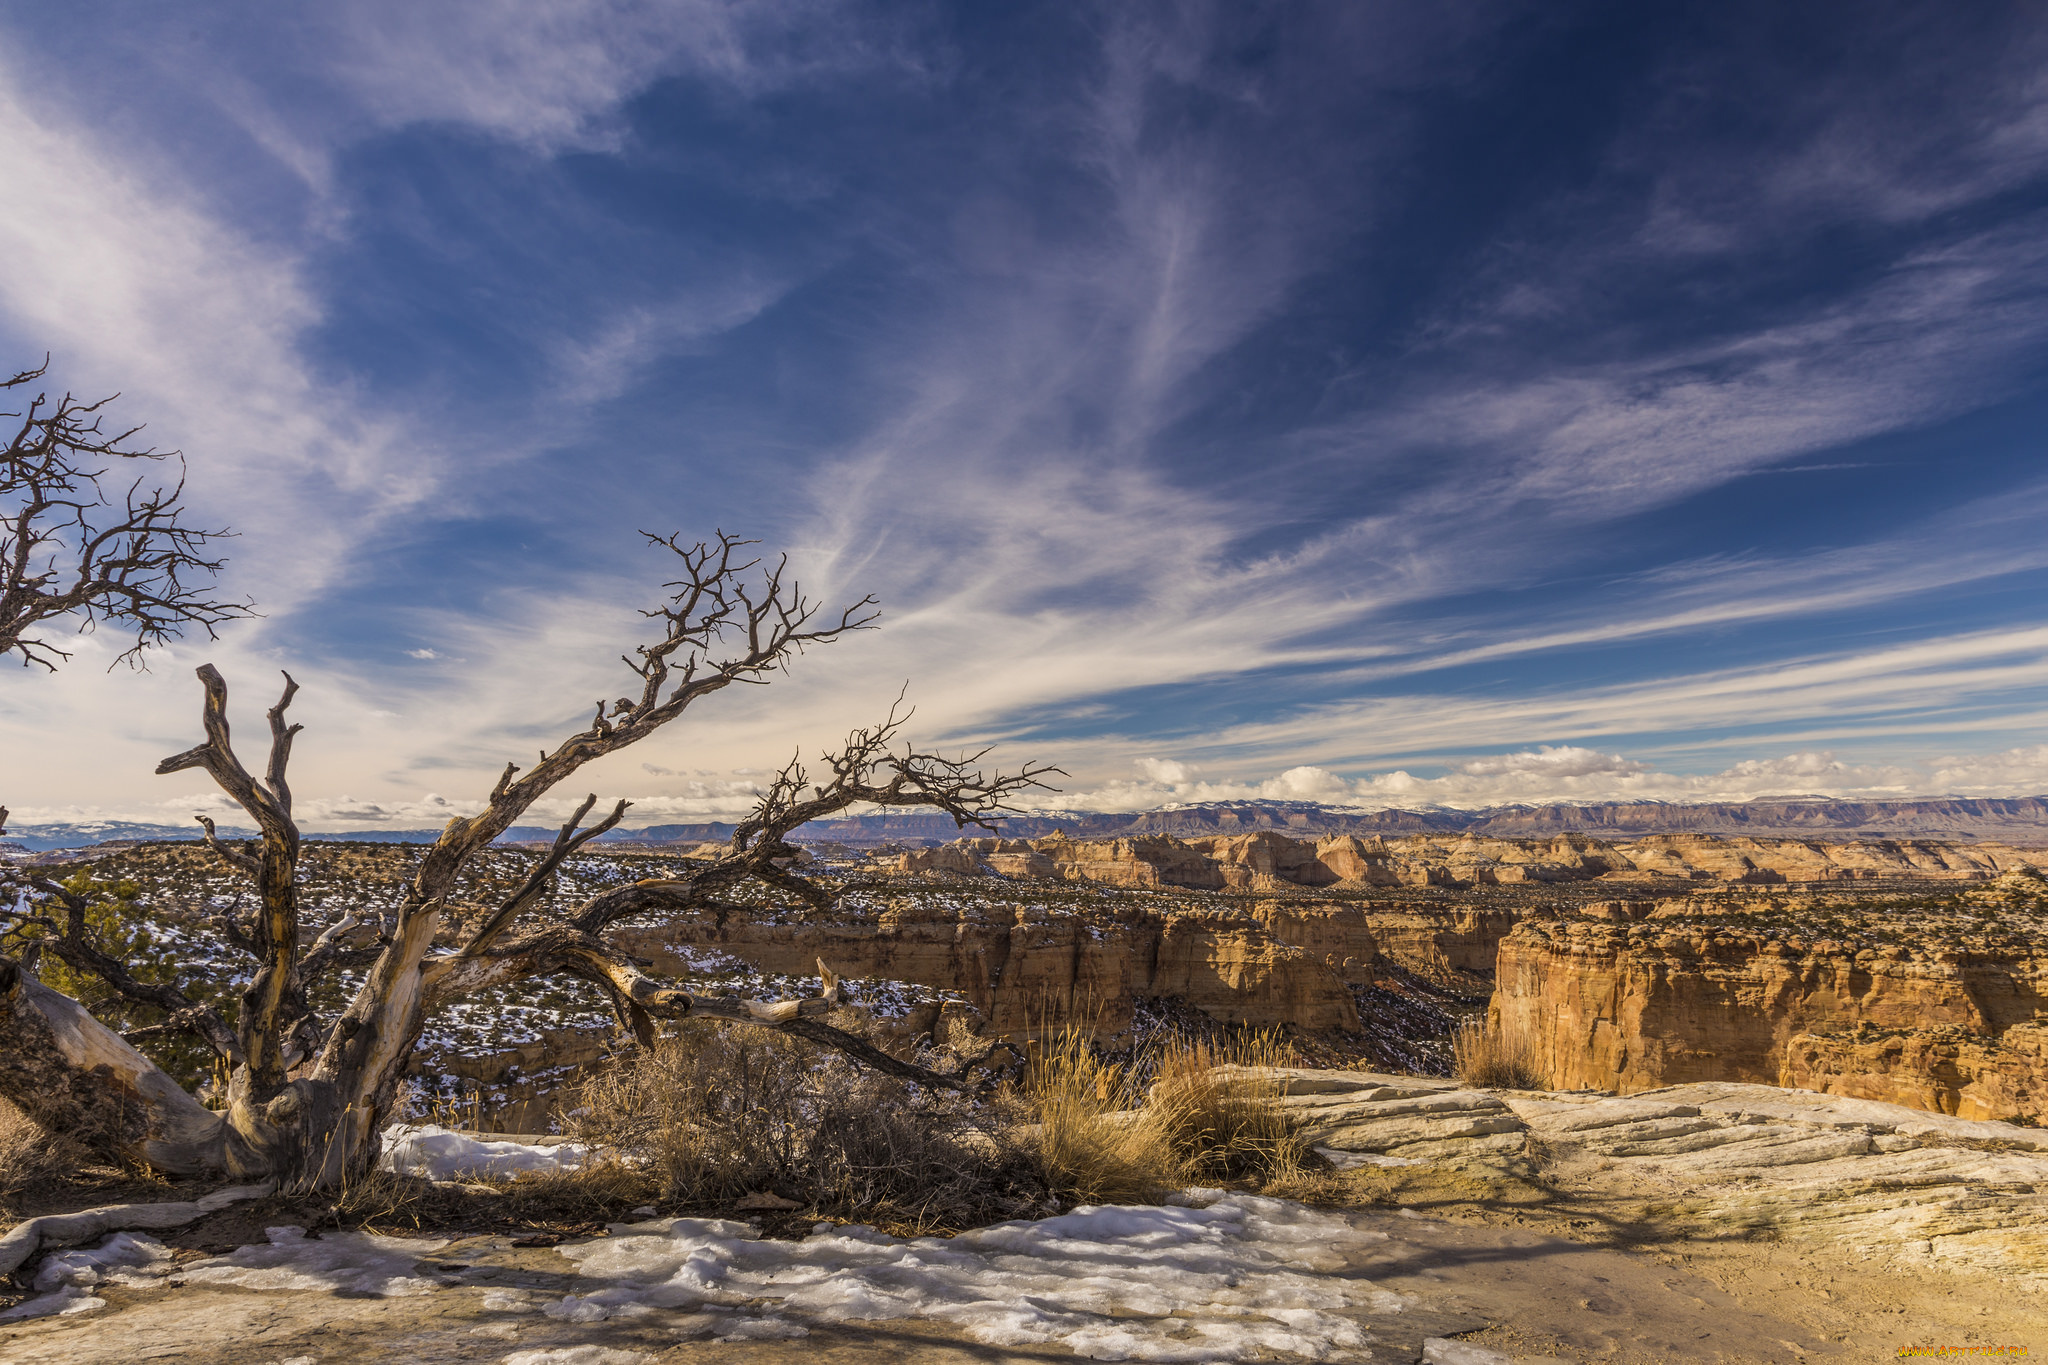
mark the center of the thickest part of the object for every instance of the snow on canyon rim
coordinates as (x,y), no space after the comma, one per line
(1238,1277)
(1243,1274)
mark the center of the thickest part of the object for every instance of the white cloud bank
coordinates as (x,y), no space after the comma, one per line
(1570,773)
(1549,773)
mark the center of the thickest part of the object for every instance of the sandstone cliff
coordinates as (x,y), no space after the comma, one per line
(1028,966)
(1941,1008)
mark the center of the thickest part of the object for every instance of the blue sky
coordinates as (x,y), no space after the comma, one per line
(1384,403)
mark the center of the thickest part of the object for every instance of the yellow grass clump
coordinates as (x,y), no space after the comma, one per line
(28,1153)
(1218,1099)
(1209,1114)
(1484,1057)
(1098,1140)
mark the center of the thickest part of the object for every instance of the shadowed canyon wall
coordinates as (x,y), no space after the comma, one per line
(1024,968)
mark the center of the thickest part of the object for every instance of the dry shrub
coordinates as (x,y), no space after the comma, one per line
(596,1194)
(1216,1097)
(29,1154)
(380,1198)
(1483,1057)
(22,1147)
(713,1113)
(1098,1141)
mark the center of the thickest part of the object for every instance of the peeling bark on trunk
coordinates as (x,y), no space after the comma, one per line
(367,1053)
(74,1075)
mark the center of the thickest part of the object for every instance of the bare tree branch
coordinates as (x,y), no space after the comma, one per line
(70,548)
(866,770)
(274,1008)
(711,603)
(236,858)
(328,947)
(566,843)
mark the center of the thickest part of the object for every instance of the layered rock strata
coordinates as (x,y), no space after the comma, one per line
(1880,1182)
(1027,967)
(1948,1019)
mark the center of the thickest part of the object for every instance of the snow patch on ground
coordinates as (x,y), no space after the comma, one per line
(1227,1282)
(338,1262)
(1445,1351)
(65,1280)
(443,1154)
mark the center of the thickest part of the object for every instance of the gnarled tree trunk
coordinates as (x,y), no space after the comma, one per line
(307,1098)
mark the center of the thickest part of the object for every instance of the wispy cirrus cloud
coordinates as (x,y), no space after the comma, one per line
(1126,357)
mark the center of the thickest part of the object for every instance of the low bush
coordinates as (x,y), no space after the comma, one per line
(712,1114)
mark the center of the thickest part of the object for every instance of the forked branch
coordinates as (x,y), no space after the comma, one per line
(566,844)
(271,809)
(276,1023)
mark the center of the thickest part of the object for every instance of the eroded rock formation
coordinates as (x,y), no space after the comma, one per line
(1940,1009)
(1026,966)
(1908,1190)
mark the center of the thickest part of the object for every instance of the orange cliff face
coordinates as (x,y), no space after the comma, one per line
(1927,1019)
(1028,967)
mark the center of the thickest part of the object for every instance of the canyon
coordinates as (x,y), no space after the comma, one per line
(1900,970)
(1270,861)
(1906,971)
(1912,972)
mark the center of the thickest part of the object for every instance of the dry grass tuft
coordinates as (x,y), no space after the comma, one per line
(571,1199)
(712,1114)
(29,1154)
(1098,1140)
(1485,1058)
(1208,1115)
(1217,1096)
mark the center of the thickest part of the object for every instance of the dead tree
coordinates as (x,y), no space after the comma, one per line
(72,547)
(307,1098)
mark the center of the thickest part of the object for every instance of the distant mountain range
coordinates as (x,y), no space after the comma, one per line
(2008,818)
(2022,819)
(41,838)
